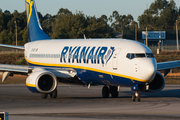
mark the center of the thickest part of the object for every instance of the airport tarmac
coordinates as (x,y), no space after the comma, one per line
(81,103)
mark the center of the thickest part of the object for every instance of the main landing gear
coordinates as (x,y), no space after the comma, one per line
(52,94)
(113,90)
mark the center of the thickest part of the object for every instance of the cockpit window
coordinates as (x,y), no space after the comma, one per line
(139,55)
(150,55)
(130,55)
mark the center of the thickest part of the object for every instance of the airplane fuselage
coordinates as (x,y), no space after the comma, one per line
(97,61)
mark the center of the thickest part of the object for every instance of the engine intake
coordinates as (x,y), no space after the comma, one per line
(156,85)
(41,81)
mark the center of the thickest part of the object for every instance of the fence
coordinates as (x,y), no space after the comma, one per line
(9,50)
(164,48)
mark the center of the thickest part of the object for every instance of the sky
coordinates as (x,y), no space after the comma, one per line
(88,7)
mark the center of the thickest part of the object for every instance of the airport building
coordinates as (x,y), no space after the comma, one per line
(163,40)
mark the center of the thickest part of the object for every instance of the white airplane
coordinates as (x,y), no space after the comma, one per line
(108,62)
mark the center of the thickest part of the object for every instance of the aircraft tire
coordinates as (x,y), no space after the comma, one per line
(138,98)
(54,94)
(133,97)
(105,92)
(44,95)
(114,91)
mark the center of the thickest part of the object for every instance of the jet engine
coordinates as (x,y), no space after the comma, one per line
(157,84)
(41,81)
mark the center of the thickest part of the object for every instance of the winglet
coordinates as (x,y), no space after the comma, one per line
(35,31)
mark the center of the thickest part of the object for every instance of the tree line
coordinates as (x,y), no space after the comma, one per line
(161,15)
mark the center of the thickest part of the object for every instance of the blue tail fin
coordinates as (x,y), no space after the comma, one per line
(35,31)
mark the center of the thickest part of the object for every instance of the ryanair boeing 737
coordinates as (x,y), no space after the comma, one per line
(109,62)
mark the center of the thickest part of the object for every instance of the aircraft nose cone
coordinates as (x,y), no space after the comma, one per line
(148,69)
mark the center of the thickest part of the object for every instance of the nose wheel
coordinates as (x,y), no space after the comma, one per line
(136,96)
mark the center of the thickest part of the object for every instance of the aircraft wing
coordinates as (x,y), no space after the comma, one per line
(168,65)
(15,68)
(8,70)
(12,46)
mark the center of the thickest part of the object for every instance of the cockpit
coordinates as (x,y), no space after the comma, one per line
(139,55)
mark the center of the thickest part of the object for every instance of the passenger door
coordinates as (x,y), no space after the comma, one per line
(115,59)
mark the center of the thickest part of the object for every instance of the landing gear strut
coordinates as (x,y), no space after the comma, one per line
(52,94)
(114,91)
(44,95)
(135,96)
(111,89)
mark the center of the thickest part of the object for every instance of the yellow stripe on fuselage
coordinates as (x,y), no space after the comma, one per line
(86,68)
(30,85)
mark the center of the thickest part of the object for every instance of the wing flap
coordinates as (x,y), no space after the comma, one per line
(6,70)
(5,76)
(15,68)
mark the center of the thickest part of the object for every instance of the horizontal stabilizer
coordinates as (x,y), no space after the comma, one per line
(12,46)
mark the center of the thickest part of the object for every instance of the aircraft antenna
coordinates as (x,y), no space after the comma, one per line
(84,36)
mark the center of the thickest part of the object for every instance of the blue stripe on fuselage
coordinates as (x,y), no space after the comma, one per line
(98,78)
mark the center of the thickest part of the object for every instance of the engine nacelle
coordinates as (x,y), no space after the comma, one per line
(156,85)
(41,81)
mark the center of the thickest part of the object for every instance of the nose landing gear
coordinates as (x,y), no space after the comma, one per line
(135,96)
